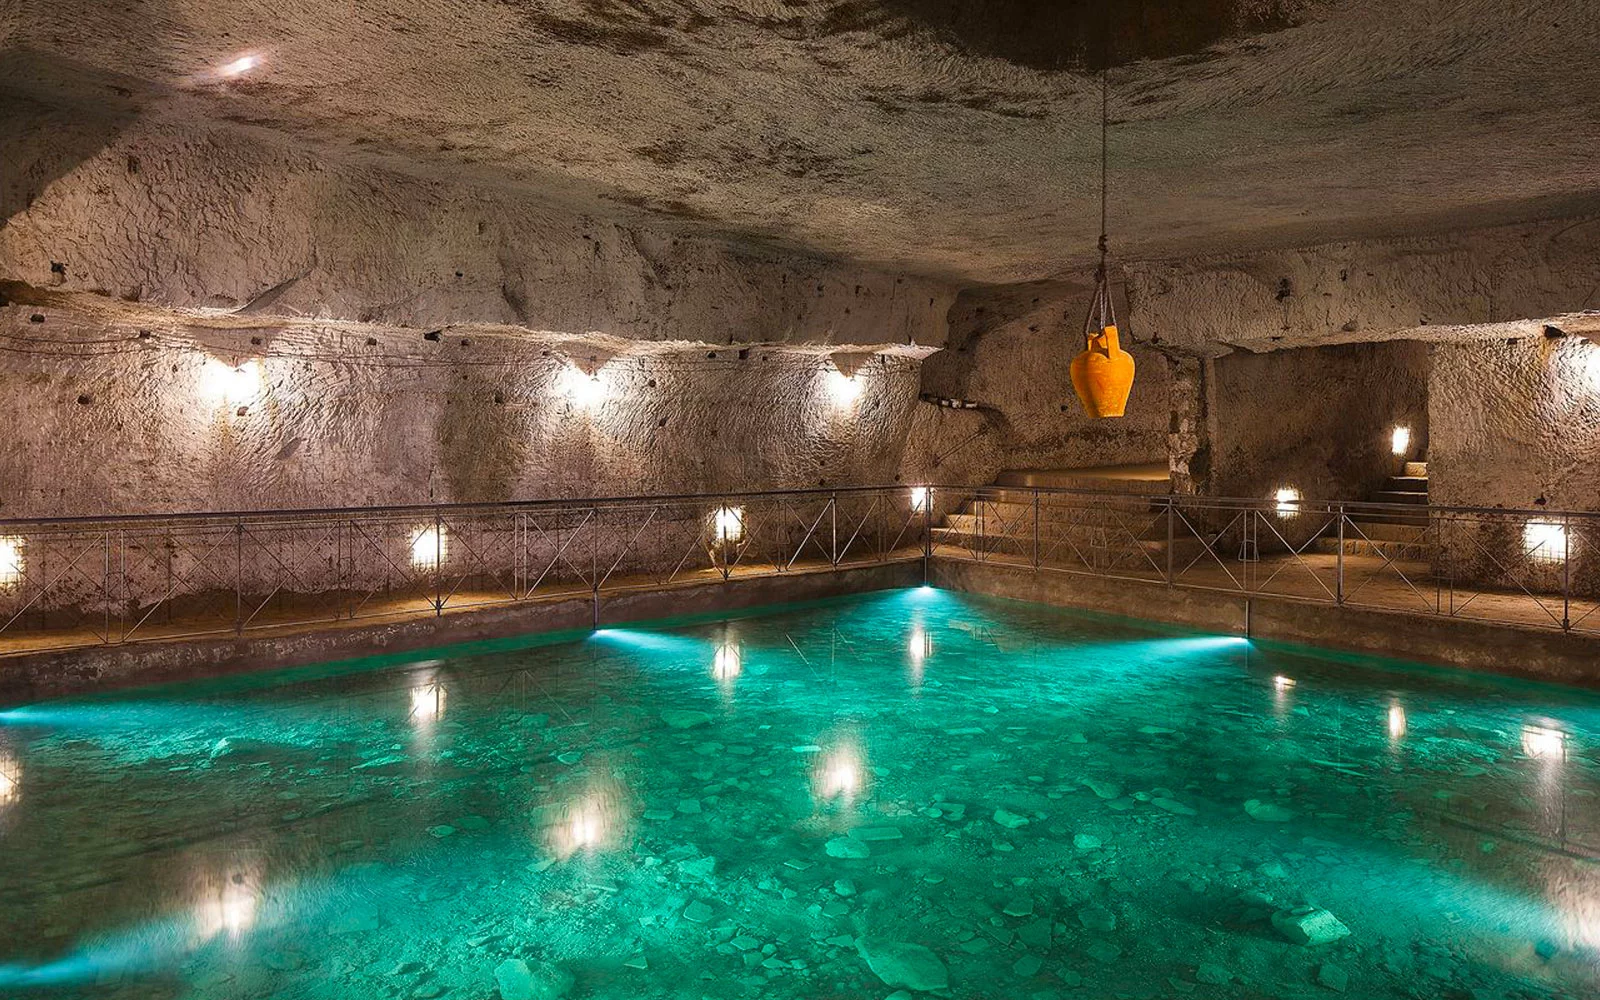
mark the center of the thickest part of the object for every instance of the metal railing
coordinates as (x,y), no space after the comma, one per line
(1524,567)
(81,581)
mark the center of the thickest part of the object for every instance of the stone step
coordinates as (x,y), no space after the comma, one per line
(1413,551)
(1391,496)
(1102,549)
(1153,477)
(1417,469)
(1382,531)
(1077,522)
(1407,484)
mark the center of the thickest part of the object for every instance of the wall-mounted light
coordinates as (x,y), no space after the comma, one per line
(727,525)
(919,499)
(1287,499)
(11,564)
(238,67)
(233,386)
(1400,441)
(843,389)
(429,545)
(1545,541)
(585,391)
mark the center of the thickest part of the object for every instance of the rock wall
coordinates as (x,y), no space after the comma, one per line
(111,418)
(1318,420)
(1516,422)
(404,340)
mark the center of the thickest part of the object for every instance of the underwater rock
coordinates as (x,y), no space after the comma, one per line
(1309,925)
(1097,918)
(1009,819)
(1103,789)
(1085,841)
(683,718)
(844,887)
(1213,975)
(520,981)
(1267,812)
(1022,906)
(1173,806)
(1104,951)
(900,963)
(697,912)
(1027,966)
(1333,977)
(847,847)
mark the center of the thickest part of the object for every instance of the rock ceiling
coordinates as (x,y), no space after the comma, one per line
(956,138)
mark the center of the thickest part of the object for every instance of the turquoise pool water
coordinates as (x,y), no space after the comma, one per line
(910,791)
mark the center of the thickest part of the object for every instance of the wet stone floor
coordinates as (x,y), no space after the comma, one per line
(906,794)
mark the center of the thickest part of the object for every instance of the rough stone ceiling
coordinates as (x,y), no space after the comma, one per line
(956,138)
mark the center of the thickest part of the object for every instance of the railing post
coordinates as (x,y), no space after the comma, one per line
(1037,559)
(238,578)
(833,520)
(105,592)
(927,534)
(438,564)
(1566,572)
(1172,517)
(1339,556)
(594,564)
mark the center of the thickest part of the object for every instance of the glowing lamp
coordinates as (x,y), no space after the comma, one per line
(1102,375)
(10,561)
(584,391)
(1540,741)
(727,663)
(427,702)
(1545,541)
(228,385)
(843,389)
(429,543)
(238,67)
(919,499)
(1397,722)
(1287,500)
(727,525)
(1400,441)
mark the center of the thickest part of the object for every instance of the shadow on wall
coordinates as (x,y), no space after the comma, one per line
(1059,34)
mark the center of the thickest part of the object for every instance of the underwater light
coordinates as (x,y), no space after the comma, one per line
(231,910)
(727,662)
(1541,741)
(920,647)
(427,702)
(1397,722)
(10,779)
(840,776)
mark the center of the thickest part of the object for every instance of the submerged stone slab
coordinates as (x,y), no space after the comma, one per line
(1309,926)
(518,980)
(901,963)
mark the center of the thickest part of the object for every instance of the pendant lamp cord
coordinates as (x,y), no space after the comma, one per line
(1101,313)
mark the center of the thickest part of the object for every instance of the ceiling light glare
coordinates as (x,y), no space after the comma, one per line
(843,389)
(584,391)
(238,67)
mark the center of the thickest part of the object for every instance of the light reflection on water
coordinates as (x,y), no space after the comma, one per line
(803,775)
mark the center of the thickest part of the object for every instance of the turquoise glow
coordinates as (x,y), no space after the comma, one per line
(1056,805)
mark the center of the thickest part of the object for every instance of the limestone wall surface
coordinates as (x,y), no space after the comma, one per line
(1317,420)
(149,210)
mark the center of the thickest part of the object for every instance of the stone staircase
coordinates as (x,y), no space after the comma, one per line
(1104,531)
(1396,534)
